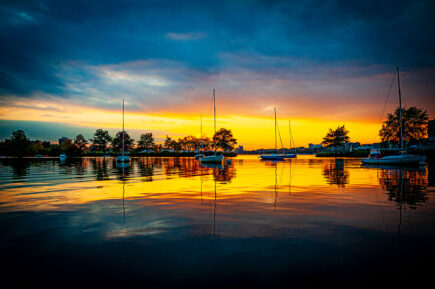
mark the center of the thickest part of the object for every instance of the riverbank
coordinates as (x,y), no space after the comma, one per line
(153,154)
(352,154)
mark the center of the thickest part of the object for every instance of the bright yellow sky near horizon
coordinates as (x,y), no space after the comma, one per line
(252,132)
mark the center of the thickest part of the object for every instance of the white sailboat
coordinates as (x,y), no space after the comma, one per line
(274,157)
(201,154)
(123,157)
(213,158)
(290,155)
(403,158)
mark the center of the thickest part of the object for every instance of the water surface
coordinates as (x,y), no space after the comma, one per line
(170,221)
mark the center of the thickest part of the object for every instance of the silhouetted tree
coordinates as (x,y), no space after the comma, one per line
(80,142)
(117,142)
(101,140)
(146,141)
(337,137)
(18,144)
(414,125)
(224,139)
(69,148)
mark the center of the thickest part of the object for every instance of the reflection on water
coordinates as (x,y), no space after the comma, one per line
(405,186)
(174,220)
(335,173)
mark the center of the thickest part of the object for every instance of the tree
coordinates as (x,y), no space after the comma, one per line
(18,144)
(80,142)
(189,143)
(168,142)
(69,148)
(224,139)
(337,137)
(101,140)
(146,141)
(414,125)
(117,142)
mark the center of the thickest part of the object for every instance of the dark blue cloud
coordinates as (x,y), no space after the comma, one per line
(39,37)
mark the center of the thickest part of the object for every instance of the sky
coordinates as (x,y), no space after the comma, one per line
(66,66)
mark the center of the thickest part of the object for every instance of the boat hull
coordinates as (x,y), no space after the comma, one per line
(396,160)
(122,159)
(290,156)
(212,159)
(272,157)
(198,156)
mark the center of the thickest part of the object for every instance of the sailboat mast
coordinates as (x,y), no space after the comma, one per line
(400,111)
(275,130)
(214,108)
(123,127)
(202,141)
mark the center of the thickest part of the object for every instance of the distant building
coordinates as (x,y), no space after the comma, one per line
(46,144)
(352,145)
(62,139)
(431,129)
(239,150)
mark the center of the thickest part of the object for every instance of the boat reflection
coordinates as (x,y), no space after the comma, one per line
(404,186)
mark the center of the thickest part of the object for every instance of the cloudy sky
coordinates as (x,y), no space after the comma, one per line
(65,66)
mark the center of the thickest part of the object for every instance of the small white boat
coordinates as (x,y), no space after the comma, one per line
(289,156)
(123,157)
(375,157)
(217,159)
(274,157)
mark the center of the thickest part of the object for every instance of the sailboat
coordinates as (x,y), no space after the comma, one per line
(274,157)
(403,158)
(213,158)
(200,155)
(123,157)
(290,155)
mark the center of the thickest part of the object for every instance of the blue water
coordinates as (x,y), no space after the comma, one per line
(163,222)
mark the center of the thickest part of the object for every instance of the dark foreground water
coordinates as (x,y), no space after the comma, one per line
(171,222)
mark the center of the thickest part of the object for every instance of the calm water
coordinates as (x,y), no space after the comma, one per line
(171,221)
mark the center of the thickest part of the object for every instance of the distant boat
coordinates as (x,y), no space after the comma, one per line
(404,158)
(376,158)
(274,157)
(213,158)
(123,157)
(290,155)
(200,155)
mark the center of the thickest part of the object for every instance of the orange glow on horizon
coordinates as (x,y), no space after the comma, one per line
(252,132)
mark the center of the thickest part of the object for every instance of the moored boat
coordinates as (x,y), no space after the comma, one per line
(212,159)
(290,155)
(376,157)
(274,157)
(403,158)
(216,159)
(123,157)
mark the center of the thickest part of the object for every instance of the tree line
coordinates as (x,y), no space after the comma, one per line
(102,142)
(415,122)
